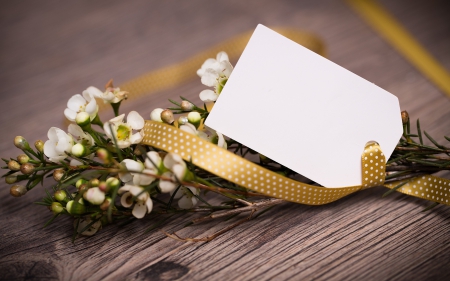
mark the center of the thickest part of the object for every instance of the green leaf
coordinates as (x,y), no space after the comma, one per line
(419,132)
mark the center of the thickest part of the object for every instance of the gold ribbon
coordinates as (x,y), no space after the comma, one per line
(245,173)
(184,71)
(393,32)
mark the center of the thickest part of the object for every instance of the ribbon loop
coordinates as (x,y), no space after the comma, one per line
(373,164)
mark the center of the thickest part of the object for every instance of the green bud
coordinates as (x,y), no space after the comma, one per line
(83,119)
(21,143)
(11,179)
(83,188)
(94,182)
(13,165)
(58,174)
(27,169)
(194,118)
(39,146)
(57,208)
(80,182)
(18,190)
(186,106)
(23,158)
(75,208)
(112,183)
(79,150)
(167,116)
(60,195)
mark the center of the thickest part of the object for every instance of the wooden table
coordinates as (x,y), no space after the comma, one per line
(52,50)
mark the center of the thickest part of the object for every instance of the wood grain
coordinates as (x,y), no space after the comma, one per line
(51,50)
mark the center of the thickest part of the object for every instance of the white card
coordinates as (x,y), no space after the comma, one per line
(304,111)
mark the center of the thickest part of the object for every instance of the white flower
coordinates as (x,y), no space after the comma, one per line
(58,145)
(143,204)
(155,115)
(78,103)
(123,132)
(131,168)
(214,73)
(186,197)
(145,177)
(213,63)
(206,134)
(80,136)
(110,95)
(177,171)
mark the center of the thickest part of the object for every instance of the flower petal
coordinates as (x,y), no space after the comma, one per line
(49,149)
(75,162)
(136,138)
(188,127)
(209,78)
(52,134)
(139,210)
(133,166)
(208,95)
(123,189)
(226,68)
(172,159)
(126,200)
(185,203)
(117,119)
(149,205)
(135,120)
(221,56)
(93,91)
(76,102)
(167,186)
(153,159)
(92,108)
(70,114)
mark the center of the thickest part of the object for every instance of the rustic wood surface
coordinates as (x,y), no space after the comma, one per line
(51,50)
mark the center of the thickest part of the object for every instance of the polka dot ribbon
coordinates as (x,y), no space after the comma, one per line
(247,174)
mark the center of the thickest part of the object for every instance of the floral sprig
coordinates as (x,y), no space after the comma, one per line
(104,175)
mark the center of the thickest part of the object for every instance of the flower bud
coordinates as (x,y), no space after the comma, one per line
(104,155)
(405,117)
(186,106)
(155,115)
(27,169)
(80,182)
(167,116)
(75,208)
(94,182)
(79,150)
(18,190)
(23,158)
(39,146)
(182,120)
(21,143)
(105,205)
(13,165)
(112,183)
(60,195)
(103,187)
(11,179)
(94,195)
(194,118)
(57,208)
(58,174)
(83,119)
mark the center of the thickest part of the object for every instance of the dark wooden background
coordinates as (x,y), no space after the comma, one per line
(51,50)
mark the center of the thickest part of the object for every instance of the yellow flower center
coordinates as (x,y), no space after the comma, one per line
(123,132)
